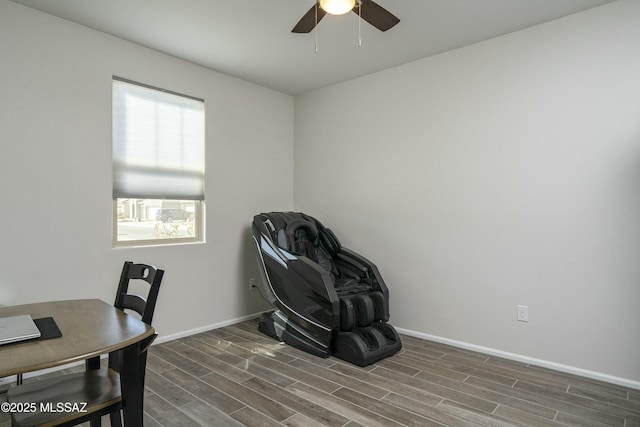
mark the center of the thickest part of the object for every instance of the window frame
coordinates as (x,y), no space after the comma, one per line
(199,210)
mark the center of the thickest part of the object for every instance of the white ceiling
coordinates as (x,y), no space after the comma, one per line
(252,39)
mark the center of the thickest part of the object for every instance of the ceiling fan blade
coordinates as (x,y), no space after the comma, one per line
(308,21)
(376,15)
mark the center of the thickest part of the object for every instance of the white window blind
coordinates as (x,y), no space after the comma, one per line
(158,143)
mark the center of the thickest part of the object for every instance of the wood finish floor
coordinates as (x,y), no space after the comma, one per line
(236,376)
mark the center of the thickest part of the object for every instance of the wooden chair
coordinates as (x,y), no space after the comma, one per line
(99,387)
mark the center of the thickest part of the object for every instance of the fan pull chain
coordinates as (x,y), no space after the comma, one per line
(316,27)
(359,23)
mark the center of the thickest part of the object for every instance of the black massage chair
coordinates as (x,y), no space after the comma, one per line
(329,300)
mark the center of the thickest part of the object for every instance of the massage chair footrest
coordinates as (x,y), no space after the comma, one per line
(367,345)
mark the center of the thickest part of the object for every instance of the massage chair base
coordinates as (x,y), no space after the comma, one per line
(360,346)
(367,345)
(278,327)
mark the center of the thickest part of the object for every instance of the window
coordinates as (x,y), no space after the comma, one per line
(158,165)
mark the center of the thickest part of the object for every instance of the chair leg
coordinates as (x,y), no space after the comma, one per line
(116,420)
(19,379)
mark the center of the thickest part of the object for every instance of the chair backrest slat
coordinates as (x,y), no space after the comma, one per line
(133,302)
(145,307)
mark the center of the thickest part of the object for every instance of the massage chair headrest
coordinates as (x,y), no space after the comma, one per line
(301,224)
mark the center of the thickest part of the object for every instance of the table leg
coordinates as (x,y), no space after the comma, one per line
(134,364)
(92,364)
(132,387)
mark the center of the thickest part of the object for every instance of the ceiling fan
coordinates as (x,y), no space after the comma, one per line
(368,10)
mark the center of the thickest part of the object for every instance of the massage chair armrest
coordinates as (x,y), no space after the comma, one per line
(319,278)
(317,286)
(364,264)
(352,262)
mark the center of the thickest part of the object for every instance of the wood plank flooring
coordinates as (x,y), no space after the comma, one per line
(236,376)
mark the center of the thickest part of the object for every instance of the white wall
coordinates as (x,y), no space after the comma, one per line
(503,173)
(55,172)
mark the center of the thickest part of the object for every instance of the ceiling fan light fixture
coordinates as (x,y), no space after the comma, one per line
(337,7)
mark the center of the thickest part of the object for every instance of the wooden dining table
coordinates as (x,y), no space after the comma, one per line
(90,328)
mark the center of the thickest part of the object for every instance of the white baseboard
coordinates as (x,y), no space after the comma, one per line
(460,344)
(526,359)
(165,338)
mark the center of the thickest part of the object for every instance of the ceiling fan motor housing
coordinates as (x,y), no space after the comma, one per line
(368,10)
(337,7)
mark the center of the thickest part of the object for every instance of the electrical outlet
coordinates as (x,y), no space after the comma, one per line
(252,283)
(523,313)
